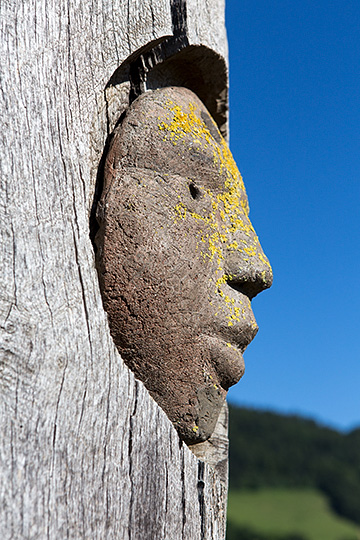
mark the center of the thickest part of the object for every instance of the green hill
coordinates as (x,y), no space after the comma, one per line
(285,514)
(269,450)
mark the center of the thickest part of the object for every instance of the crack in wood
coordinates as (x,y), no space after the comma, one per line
(145,62)
(130,449)
(200,487)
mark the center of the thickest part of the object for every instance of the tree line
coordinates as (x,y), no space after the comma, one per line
(273,450)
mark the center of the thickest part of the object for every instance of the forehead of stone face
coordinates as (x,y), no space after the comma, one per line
(170,130)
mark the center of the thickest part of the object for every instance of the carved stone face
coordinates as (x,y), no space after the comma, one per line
(178,258)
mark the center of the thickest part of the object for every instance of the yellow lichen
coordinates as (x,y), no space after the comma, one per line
(229,207)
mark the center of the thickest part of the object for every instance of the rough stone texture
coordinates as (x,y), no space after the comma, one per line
(178,258)
(85,452)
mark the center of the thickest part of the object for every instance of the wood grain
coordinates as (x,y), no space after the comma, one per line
(85,451)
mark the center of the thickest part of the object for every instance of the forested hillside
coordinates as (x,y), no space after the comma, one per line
(271,450)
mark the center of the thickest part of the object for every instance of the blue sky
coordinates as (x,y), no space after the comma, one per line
(295,134)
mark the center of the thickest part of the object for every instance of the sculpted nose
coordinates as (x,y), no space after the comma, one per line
(247,268)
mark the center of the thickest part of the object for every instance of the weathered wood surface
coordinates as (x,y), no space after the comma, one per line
(84,451)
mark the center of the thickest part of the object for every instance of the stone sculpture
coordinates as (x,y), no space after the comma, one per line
(177,257)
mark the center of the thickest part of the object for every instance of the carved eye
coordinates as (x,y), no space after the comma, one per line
(194,191)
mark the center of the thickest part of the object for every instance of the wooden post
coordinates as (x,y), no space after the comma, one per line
(85,452)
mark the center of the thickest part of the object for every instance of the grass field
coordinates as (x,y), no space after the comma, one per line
(285,511)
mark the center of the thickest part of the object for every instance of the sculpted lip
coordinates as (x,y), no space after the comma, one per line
(227,358)
(246,339)
(239,336)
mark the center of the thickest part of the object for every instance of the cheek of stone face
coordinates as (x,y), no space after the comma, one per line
(161,269)
(156,287)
